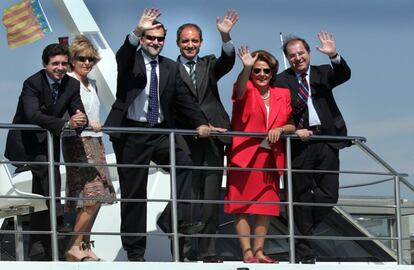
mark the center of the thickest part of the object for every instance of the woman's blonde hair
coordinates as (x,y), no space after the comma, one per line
(81,46)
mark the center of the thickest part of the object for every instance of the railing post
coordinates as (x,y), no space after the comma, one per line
(18,238)
(290,201)
(398,219)
(176,255)
(52,202)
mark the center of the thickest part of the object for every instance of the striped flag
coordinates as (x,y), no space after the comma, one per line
(22,23)
(40,15)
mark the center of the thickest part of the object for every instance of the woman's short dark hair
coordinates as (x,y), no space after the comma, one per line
(267,57)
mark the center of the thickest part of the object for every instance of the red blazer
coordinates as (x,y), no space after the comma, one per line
(249,115)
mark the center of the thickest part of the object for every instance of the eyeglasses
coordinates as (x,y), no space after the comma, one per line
(152,38)
(84,58)
(265,70)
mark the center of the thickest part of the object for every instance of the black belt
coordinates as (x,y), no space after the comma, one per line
(132,123)
(316,129)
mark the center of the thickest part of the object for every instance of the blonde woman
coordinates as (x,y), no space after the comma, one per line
(90,183)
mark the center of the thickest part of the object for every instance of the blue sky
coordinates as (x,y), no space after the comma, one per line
(374,36)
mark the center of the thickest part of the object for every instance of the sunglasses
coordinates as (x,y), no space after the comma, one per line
(152,38)
(84,58)
(265,70)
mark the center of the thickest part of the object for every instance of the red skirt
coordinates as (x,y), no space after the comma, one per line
(260,186)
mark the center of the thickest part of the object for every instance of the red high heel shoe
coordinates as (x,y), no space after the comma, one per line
(251,259)
(266,259)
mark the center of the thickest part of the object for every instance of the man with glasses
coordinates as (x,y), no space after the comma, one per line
(315,113)
(201,75)
(46,97)
(149,92)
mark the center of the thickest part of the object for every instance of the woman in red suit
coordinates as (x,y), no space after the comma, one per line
(257,107)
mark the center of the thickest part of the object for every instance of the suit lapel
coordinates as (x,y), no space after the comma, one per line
(201,72)
(187,80)
(62,87)
(139,68)
(47,94)
(163,75)
(261,105)
(314,80)
(274,107)
(293,86)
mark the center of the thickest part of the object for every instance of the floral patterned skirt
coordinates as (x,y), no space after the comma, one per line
(92,183)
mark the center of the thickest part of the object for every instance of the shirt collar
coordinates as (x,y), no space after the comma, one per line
(51,81)
(148,59)
(299,75)
(184,60)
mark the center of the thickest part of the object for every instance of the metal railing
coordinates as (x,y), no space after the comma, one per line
(358,141)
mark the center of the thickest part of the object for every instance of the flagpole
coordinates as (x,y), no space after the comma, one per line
(284,57)
(44,14)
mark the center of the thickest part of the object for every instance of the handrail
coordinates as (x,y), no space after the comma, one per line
(359,141)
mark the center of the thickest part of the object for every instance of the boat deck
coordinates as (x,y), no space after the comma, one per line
(196,265)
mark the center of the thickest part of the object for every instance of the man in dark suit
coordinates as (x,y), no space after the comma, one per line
(46,97)
(201,76)
(315,113)
(149,92)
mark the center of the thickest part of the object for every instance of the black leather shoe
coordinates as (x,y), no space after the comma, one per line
(190,228)
(213,259)
(310,260)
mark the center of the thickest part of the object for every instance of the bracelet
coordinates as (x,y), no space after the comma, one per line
(282,129)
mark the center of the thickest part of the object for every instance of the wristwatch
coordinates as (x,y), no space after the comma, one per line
(66,125)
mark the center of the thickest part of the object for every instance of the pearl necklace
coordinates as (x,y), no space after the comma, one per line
(266,96)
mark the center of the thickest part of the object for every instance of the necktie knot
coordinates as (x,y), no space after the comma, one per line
(191,64)
(303,76)
(153,64)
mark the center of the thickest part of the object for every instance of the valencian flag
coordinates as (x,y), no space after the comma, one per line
(25,23)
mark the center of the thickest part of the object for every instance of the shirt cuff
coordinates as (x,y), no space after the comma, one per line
(133,39)
(228,47)
(337,59)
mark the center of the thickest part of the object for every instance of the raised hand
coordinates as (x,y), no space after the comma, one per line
(229,20)
(247,59)
(146,21)
(328,44)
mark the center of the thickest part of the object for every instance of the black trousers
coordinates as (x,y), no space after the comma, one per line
(40,244)
(313,188)
(206,185)
(141,149)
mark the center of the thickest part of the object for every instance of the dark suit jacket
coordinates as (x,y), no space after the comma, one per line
(36,107)
(322,81)
(209,71)
(132,79)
